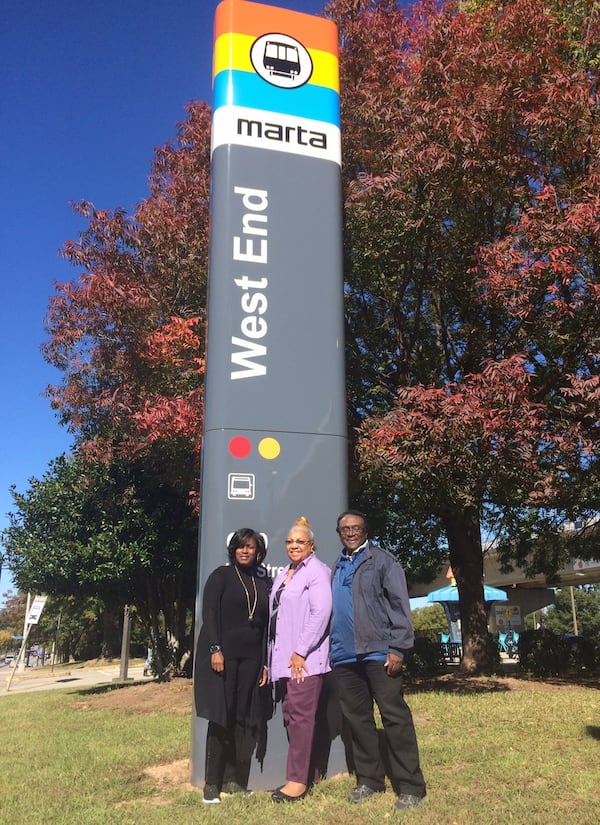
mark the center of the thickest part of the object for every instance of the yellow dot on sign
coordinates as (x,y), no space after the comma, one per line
(269,448)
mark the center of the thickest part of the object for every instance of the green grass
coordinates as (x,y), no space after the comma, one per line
(493,752)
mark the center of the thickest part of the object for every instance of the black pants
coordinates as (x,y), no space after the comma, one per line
(229,750)
(358,686)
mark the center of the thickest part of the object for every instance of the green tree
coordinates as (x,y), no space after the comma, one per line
(6,642)
(430,621)
(559,617)
(103,536)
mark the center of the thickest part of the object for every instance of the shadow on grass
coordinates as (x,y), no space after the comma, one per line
(100,690)
(587,680)
(458,683)
(593,731)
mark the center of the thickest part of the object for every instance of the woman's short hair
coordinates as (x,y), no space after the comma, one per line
(239,539)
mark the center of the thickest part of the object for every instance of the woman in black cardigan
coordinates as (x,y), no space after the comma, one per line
(230,663)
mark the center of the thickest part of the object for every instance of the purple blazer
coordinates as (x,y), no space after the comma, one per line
(302,619)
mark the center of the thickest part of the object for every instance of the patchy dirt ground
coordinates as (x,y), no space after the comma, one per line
(174,698)
(174,775)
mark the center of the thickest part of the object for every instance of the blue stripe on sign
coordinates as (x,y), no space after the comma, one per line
(232,88)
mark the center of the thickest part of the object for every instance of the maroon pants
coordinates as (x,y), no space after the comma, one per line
(299,710)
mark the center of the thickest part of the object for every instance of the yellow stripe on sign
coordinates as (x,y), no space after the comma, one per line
(232,51)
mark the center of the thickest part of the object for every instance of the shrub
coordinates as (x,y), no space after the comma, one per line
(544,653)
(426,658)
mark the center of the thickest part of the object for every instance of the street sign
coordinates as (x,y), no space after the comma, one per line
(35,611)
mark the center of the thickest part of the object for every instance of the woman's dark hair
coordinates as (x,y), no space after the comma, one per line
(240,537)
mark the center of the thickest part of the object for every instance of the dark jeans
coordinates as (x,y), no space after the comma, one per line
(358,686)
(229,750)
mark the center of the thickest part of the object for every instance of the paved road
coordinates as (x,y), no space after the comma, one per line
(41,678)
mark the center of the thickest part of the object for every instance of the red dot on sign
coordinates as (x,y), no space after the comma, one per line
(240,447)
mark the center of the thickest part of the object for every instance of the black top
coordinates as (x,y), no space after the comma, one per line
(225,622)
(225,610)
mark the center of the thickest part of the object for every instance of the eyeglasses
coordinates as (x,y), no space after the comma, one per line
(301,542)
(354,530)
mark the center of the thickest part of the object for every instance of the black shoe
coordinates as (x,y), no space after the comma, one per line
(362,792)
(211,795)
(230,788)
(407,800)
(280,796)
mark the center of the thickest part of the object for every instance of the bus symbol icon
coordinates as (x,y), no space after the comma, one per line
(281,59)
(240,485)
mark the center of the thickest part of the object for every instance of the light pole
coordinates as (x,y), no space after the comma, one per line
(125,639)
(573,611)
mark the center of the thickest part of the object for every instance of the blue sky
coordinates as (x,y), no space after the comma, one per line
(88,90)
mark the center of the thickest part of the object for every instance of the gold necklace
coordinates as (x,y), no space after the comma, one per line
(253,608)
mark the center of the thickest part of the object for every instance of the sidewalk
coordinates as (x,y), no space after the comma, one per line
(76,675)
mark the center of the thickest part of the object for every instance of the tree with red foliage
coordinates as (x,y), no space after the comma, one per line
(471,164)
(129,332)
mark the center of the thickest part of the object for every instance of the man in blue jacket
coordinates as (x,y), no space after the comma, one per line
(371,632)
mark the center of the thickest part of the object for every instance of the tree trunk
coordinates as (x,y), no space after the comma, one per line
(466,559)
(157,638)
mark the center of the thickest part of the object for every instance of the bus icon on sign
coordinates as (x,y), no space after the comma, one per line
(240,486)
(281,59)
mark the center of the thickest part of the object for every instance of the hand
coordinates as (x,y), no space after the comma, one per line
(264,678)
(393,664)
(297,667)
(217,662)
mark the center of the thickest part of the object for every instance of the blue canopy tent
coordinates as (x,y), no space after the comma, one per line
(448,598)
(450,594)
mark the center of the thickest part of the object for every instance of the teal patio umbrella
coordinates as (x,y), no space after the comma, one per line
(450,594)
(448,598)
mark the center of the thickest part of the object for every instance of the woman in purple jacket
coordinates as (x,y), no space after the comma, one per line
(299,651)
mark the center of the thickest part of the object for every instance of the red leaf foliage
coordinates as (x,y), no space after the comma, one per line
(129,332)
(458,437)
(472,178)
